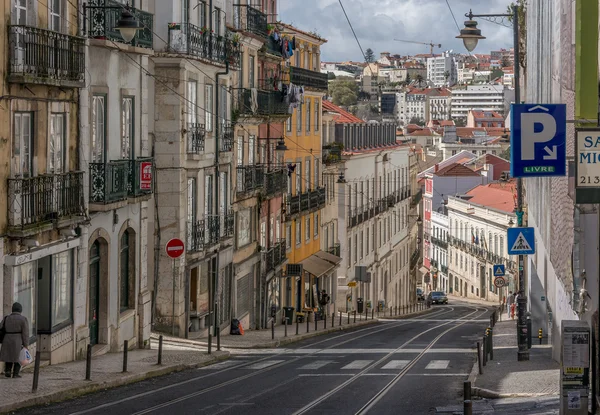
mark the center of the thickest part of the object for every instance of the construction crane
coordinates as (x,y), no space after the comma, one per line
(431,44)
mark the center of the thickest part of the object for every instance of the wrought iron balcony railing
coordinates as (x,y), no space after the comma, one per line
(226,139)
(250,178)
(34,201)
(275,182)
(264,103)
(439,242)
(250,19)
(335,250)
(102,18)
(195,138)
(41,56)
(313,199)
(109,181)
(227,224)
(306,77)
(332,154)
(203,233)
(141,177)
(275,256)
(414,258)
(188,39)
(444,269)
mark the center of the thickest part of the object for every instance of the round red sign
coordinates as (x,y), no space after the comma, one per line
(175,248)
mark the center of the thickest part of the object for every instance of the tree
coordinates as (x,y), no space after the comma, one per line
(344,91)
(408,79)
(330,75)
(522,17)
(370,55)
(506,61)
(417,120)
(447,75)
(497,73)
(506,154)
(460,122)
(419,79)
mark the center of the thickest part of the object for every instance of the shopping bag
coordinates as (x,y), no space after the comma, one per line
(24,357)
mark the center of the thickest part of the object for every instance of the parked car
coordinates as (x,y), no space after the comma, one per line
(420,295)
(437,297)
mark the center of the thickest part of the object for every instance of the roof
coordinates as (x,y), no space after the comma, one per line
(486,114)
(425,132)
(461,157)
(295,29)
(455,170)
(499,164)
(343,117)
(498,195)
(446,123)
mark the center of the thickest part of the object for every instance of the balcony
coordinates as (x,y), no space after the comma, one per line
(439,242)
(40,56)
(414,258)
(275,256)
(44,200)
(203,233)
(250,178)
(195,138)
(102,21)
(332,153)
(227,224)
(188,39)
(250,20)
(335,250)
(305,202)
(444,269)
(226,139)
(114,181)
(266,103)
(275,182)
(308,78)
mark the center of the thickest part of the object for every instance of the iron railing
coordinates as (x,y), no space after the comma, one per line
(313,199)
(444,269)
(203,233)
(189,39)
(45,57)
(332,154)
(335,250)
(275,182)
(266,103)
(414,258)
(272,47)
(42,199)
(109,181)
(227,224)
(275,256)
(439,242)
(250,19)
(195,138)
(306,77)
(226,141)
(141,177)
(102,18)
(250,178)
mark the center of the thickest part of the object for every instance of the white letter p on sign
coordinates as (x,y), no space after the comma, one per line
(529,136)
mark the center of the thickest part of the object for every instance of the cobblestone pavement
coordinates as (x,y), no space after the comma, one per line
(508,406)
(67,380)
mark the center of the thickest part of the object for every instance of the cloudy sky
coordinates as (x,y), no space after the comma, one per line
(378,22)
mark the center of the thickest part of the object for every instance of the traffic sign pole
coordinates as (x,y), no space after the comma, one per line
(174,249)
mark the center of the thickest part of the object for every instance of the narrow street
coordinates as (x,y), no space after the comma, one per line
(394,367)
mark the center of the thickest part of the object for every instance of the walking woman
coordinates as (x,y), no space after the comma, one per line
(16,329)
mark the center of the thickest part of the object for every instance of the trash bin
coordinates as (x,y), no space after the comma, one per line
(289,314)
(360,304)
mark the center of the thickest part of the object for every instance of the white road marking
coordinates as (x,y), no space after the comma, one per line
(221,365)
(437,374)
(357,364)
(304,375)
(262,365)
(316,365)
(396,364)
(438,364)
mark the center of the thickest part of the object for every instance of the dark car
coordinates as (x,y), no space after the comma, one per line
(420,295)
(437,297)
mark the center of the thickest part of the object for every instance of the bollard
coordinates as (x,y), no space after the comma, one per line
(467,390)
(348,314)
(360,317)
(468,407)
(273,328)
(125,350)
(285,327)
(209,341)
(372,313)
(395,310)
(88,363)
(491,335)
(333,319)
(296,325)
(484,354)
(218,339)
(324,322)
(366,313)
(316,328)
(307,322)
(479,363)
(36,371)
(355,316)
(540,333)
(160,341)
(340,319)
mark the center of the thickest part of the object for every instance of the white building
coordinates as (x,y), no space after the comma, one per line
(482,97)
(478,223)
(439,251)
(442,70)
(439,101)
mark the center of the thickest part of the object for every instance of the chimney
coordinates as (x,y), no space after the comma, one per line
(436,168)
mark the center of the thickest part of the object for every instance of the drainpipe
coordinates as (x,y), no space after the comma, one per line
(216,186)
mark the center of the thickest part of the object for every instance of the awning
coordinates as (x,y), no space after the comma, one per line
(423,270)
(318,264)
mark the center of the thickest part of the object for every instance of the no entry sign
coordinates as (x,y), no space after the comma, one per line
(175,248)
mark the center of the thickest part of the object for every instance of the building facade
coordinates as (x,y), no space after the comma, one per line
(439,251)
(481,97)
(442,70)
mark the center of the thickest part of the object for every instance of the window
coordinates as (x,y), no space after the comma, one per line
(185,11)
(217,25)
(24,292)
(208,195)
(316,225)
(20,12)
(362,238)
(54,15)
(126,275)
(308,115)
(251,150)
(367,241)
(308,164)
(98,128)
(57,143)
(349,252)
(127,128)
(307,228)
(501,246)
(496,244)
(208,107)
(317,111)
(263,234)
(298,178)
(244,223)
(192,102)
(299,118)
(298,233)
(191,208)
(355,248)
(202,14)
(288,237)
(250,71)
(316,180)
(240,150)
(288,125)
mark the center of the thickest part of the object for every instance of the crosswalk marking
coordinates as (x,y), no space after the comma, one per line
(316,365)
(357,364)
(221,365)
(262,365)
(438,364)
(396,364)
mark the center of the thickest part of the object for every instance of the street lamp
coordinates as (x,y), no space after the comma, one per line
(470,36)
(127,25)
(280,149)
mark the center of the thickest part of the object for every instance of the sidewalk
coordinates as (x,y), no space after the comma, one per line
(65,381)
(262,339)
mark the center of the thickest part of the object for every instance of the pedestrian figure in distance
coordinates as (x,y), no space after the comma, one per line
(513,306)
(15,328)
(509,303)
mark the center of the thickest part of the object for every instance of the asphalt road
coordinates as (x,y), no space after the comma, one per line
(394,367)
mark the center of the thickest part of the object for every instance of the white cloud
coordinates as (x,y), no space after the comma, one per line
(378,22)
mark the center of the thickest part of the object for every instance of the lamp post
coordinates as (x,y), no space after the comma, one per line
(127,25)
(470,36)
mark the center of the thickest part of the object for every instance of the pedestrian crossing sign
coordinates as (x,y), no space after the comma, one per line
(499,270)
(521,241)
